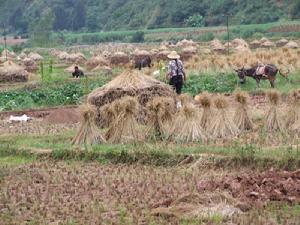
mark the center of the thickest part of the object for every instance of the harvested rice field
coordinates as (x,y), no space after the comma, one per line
(116,147)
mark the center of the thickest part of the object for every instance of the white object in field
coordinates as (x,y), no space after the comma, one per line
(178,105)
(24,118)
(155,73)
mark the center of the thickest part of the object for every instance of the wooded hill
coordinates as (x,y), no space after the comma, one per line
(21,16)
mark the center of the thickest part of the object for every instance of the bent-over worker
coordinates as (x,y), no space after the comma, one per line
(77,72)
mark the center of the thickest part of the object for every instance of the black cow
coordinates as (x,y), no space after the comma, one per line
(143,62)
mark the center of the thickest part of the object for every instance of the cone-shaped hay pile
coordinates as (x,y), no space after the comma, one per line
(222,126)
(241,116)
(129,83)
(160,115)
(124,127)
(293,114)
(187,127)
(204,100)
(11,72)
(88,133)
(273,120)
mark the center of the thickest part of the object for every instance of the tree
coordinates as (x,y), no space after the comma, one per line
(41,29)
(79,15)
(60,22)
(195,20)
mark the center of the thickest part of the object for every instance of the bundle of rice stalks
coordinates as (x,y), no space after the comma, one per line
(294,109)
(273,120)
(222,126)
(119,58)
(88,133)
(124,127)
(129,83)
(204,100)
(11,72)
(95,62)
(160,115)
(241,116)
(35,56)
(185,99)
(186,127)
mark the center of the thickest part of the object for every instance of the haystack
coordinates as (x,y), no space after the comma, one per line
(162,55)
(186,43)
(71,68)
(119,58)
(222,126)
(239,42)
(282,42)
(140,54)
(293,114)
(263,40)
(30,65)
(204,100)
(292,44)
(88,133)
(188,53)
(106,54)
(6,53)
(255,44)
(124,127)
(129,83)
(63,55)
(241,116)
(11,72)
(242,49)
(76,58)
(22,55)
(273,120)
(96,61)
(161,111)
(267,44)
(35,56)
(217,46)
(103,69)
(187,127)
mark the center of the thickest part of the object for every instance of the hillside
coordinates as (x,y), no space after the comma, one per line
(95,15)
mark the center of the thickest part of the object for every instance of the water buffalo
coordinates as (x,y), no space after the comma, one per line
(143,62)
(261,72)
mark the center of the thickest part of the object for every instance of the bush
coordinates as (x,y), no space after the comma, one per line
(138,37)
(207,37)
(222,83)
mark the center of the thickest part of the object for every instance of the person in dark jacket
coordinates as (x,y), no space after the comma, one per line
(176,73)
(77,72)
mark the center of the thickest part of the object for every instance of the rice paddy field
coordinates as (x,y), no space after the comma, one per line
(113,148)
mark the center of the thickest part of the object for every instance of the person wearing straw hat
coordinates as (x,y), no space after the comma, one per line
(176,74)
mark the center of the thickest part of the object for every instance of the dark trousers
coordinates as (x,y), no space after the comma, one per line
(177,83)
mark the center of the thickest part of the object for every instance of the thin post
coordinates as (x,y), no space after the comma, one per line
(227,21)
(5,44)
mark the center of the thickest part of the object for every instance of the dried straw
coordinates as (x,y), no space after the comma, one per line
(185,99)
(204,100)
(124,128)
(161,111)
(222,126)
(186,127)
(88,132)
(273,120)
(241,116)
(294,108)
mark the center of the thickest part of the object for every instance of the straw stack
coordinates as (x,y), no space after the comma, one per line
(204,100)
(241,116)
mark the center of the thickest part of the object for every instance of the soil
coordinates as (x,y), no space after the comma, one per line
(256,189)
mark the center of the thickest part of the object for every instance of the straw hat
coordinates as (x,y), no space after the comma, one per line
(173,55)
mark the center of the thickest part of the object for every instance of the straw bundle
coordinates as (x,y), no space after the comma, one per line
(267,44)
(217,46)
(160,115)
(95,62)
(222,126)
(124,127)
(162,55)
(294,109)
(273,121)
(88,133)
(186,127)
(30,65)
(282,42)
(255,44)
(188,52)
(76,58)
(204,100)
(241,116)
(185,99)
(11,72)
(140,54)
(119,58)
(35,56)
(292,44)
(7,53)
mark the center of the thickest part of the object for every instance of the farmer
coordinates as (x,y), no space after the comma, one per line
(176,74)
(77,72)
